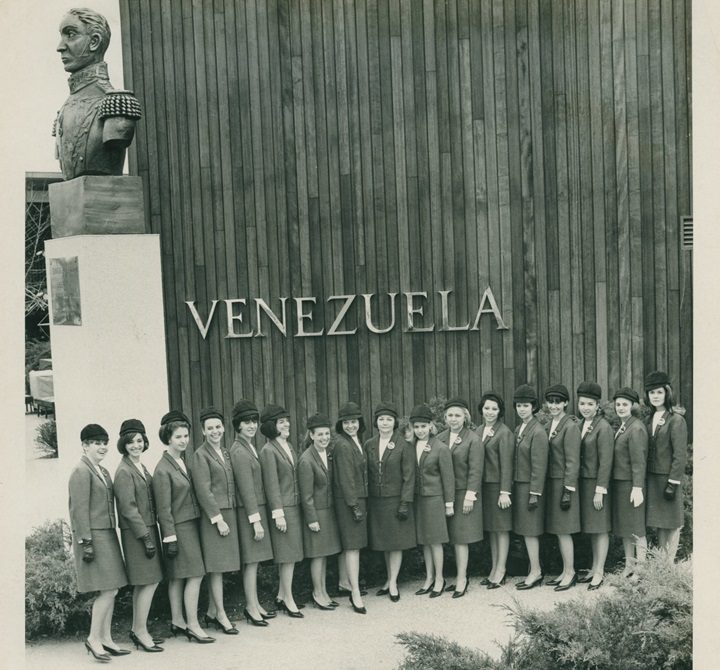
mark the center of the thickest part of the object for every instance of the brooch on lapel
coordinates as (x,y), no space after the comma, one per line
(390,445)
(622,429)
(662,421)
(553,434)
(426,447)
(590,429)
(458,440)
(491,433)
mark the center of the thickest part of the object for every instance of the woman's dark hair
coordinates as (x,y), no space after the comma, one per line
(238,420)
(535,405)
(269,429)
(167,429)
(599,413)
(495,398)
(669,398)
(339,428)
(127,438)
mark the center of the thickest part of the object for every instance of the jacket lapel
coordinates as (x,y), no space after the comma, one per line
(172,462)
(93,469)
(282,453)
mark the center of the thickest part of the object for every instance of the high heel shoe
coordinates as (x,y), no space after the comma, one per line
(176,630)
(595,587)
(294,615)
(460,594)
(586,578)
(565,587)
(496,585)
(342,592)
(321,606)
(157,640)
(231,630)
(116,652)
(251,619)
(394,598)
(358,610)
(194,636)
(437,594)
(484,581)
(382,592)
(423,591)
(553,582)
(524,586)
(210,621)
(139,643)
(268,615)
(103,658)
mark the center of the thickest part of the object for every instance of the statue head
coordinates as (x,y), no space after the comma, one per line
(84,38)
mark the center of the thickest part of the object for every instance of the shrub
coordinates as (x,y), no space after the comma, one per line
(46,439)
(638,624)
(52,604)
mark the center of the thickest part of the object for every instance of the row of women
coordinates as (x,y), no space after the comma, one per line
(392,492)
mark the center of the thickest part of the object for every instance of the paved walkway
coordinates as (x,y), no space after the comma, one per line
(339,640)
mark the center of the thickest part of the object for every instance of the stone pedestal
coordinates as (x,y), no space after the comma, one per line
(107,328)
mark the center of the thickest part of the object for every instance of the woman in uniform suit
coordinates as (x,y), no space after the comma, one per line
(629,467)
(391,486)
(499,448)
(178,512)
(531,458)
(468,458)
(596,457)
(434,497)
(321,537)
(252,512)
(138,528)
(215,490)
(279,472)
(562,506)
(98,562)
(666,462)
(350,484)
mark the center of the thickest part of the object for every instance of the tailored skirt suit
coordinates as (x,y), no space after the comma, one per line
(178,513)
(137,517)
(250,496)
(468,459)
(318,506)
(667,456)
(280,478)
(499,451)
(434,488)
(563,471)
(531,460)
(350,488)
(391,481)
(215,489)
(596,458)
(629,467)
(92,517)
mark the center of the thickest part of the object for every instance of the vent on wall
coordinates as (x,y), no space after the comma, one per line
(686,232)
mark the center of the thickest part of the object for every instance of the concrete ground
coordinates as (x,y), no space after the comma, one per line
(339,640)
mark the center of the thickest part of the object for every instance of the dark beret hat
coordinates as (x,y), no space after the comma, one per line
(210,413)
(174,415)
(457,402)
(350,410)
(525,393)
(386,407)
(656,380)
(589,390)
(557,390)
(627,393)
(93,432)
(273,413)
(244,409)
(421,413)
(132,426)
(318,421)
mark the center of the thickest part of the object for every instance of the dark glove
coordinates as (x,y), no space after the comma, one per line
(402,512)
(88,551)
(357,513)
(533,502)
(172,549)
(149,546)
(669,492)
(565,499)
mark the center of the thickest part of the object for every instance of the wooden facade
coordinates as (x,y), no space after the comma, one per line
(320,148)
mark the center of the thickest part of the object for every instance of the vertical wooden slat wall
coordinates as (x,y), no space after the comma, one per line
(296,148)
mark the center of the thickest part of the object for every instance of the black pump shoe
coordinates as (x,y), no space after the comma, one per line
(139,643)
(116,652)
(437,594)
(460,594)
(268,615)
(382,592)
(251,619)
(496,585)
(565,587)
(210,621)
(176,630)
(553,582)
(320,606)
(293,615)
(586,578)
(423,591)
(358,610)
(524,586)
(595,587)
(103,658)
(194,636)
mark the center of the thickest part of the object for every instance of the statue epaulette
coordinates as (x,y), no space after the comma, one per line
(120,103)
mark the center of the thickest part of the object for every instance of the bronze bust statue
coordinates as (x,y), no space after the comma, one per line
(96,123)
